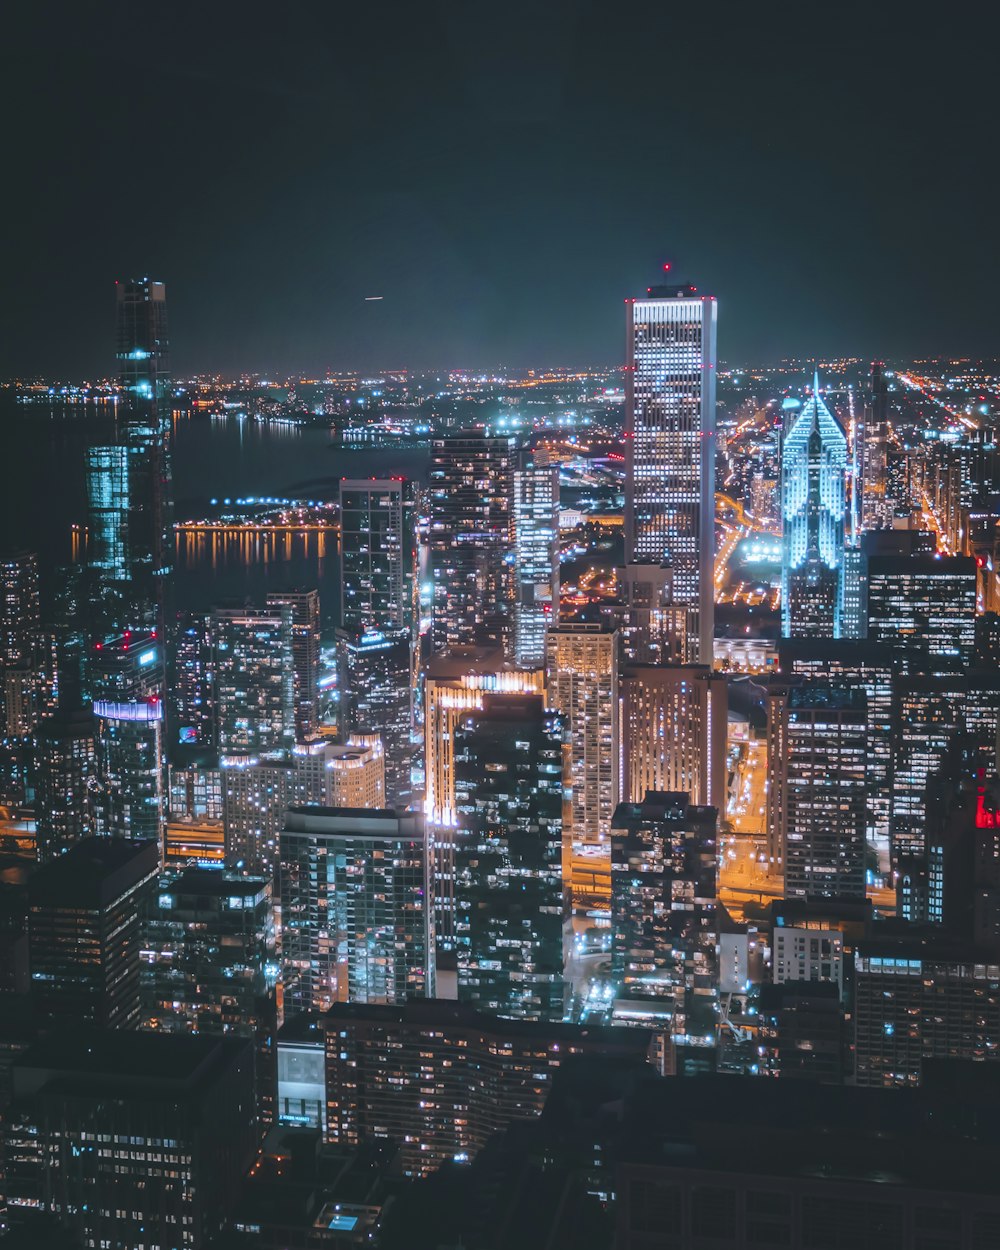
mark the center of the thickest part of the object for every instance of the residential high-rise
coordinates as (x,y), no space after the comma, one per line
(377,554)
(817,751)
(254,673)
(673,726)
(664,924)
(304,605)
(20,610)
(128,1139)
(354,914)
(442,1079)
(876,511)
(126,675)
(509,896)
(83,932)
(582,685)
(535,543)
(192,688)
(145,379)
(670,454)
(921,600)
(470,490)
(209,963)
(813,512)
(65,783)
(456,683)
(376,697)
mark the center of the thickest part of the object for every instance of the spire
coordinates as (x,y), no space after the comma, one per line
(816,384)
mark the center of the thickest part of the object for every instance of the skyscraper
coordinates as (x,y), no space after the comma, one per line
(192,690)
(674,721)
(83,932)
(817,787)
(376,697)
(126,674)
(470,487)
(65,783)
(20,611)
(377,554)
(582,682)
(813,510)
(304,606)
(509,899)
(535,543)
(253,668)
(876,509)
(456,684)
(670,454)
(664,924)
(354,914)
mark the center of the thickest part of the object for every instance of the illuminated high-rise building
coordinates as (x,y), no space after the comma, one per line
(127,675)
(376,697)
(457,683)
(876,501)
(674,721)
(65,782)
(254,674)
(535,543)
(108,515)
(817,752)
(354,914)
(304,605)
(192,690)
(509,897)
(813,512)
(377,554)
(664,922)
(144,373)
(470,489)
(84,911)
(670,457)
(20,611)
(582,685)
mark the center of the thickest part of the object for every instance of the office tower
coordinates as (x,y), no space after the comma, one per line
(470,486)
(817,750)
(65,782)
(534,541)
(354,914)
(253,669)
(582,685)
(927,714)
(83,932)
(670,456)
(813,511)
(108,552)
(808,954)
(664,925)
(209,963)
(914,1001)
(853,623)
(876,510)
(921,600)
(376,697)
(126,674)
(304,605)
(356,773)
(192,687)
(130,1140)
(509,897)
(441,1078)
(377,554)
(20,610)
(872,667)
(145,379)
(456,683)
(195,793)
(674,720)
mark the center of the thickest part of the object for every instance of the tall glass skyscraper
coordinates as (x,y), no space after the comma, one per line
(813,510)
(377,554)
(670,457)
(535,542)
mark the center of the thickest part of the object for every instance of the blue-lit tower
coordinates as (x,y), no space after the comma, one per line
(813,510)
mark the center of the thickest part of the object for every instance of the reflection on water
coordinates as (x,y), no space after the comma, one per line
(221,549)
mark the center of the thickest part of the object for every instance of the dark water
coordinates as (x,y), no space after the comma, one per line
(42,495)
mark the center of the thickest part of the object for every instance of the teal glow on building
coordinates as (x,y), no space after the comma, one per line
(813,509)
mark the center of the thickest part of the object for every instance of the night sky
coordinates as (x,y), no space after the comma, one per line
(502,173)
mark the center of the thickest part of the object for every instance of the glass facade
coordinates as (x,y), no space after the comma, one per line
(535,544)
(253,670)
(377,554)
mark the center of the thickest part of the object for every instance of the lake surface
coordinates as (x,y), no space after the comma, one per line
(42,495)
